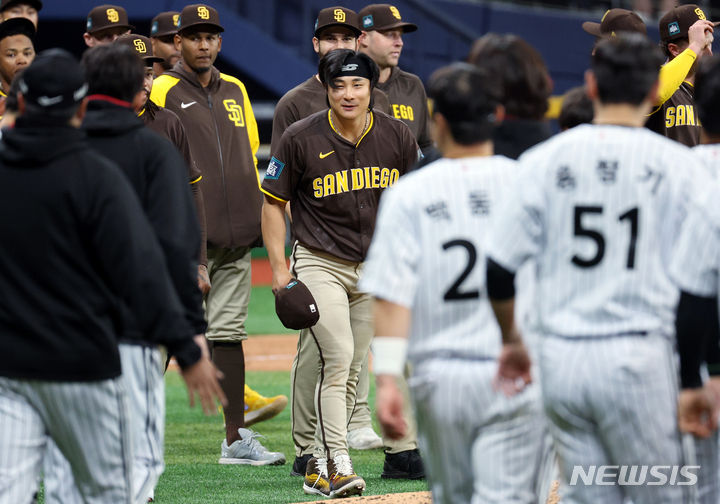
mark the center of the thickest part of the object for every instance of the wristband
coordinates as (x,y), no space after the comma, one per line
(389,354)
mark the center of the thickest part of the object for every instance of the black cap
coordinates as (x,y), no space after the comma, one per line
(615,21)
(677,21)
(107,16)
(199,15)
(6,4)
(295,306)
(164,24)
(141,45)
(54,81)
(338,16)
(17,26)
(383,17)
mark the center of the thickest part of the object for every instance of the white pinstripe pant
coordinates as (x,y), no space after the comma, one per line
(143,380)
(478,446)
(87,420)
(612,401)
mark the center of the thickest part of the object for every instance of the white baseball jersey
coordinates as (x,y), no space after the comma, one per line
(694,267)
(599,207)
(696,260)
(428,254)
(710,154)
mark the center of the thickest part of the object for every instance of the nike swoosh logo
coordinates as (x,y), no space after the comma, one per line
(323,156)
(186,105)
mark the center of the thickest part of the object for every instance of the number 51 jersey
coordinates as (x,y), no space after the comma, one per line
(428,254)
(600,208)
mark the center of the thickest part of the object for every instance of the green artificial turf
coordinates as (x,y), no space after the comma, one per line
(192,449)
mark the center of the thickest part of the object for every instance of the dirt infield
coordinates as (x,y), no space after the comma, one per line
(398,498)
(272,352)
(425,498)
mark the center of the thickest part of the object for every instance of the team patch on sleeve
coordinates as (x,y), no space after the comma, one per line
(274,169)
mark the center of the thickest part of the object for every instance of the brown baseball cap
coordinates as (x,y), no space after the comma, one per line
(141,45)
(6,4)
(616,20)
(677,21)
(164,24)
(107,16)
(337,16)
(383,17)
(197,15)
(295,306)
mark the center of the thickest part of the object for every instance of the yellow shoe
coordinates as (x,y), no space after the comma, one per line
(316,478)
(344,482)
(259,408)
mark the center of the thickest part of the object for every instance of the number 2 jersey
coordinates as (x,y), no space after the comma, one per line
(428,254)
(599,207)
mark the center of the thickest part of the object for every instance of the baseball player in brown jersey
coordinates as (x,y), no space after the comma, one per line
(332,167)
(335,28)
(163,28)
(167,124)
(105,23)
(381,39)
(676,117)
(218,117)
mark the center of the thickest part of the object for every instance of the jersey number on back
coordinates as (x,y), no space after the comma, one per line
(582,230)
(454,293)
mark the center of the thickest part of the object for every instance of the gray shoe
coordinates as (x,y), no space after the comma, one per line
(248,450)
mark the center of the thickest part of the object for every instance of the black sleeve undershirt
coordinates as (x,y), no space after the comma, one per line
(500,282)
(696,326)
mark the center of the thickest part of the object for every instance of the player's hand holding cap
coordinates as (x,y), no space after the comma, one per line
(295,306)
(676,22)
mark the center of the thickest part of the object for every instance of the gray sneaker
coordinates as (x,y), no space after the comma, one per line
(248,450)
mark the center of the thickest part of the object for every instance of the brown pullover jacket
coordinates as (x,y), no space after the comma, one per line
(223,136)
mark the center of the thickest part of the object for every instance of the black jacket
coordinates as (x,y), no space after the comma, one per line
(158,174)
(512,137)
(75,247)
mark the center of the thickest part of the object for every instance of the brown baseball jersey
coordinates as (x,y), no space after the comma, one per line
(677,118)
(166,123)
(408,102)
(334,185)
(305,99)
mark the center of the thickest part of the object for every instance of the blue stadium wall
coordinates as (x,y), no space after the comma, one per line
(267,42)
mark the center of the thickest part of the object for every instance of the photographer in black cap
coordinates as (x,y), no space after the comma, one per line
(157,173)
(81,248)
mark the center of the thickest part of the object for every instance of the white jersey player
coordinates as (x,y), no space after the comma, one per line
(695,267)
(426,270)
(599,208)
